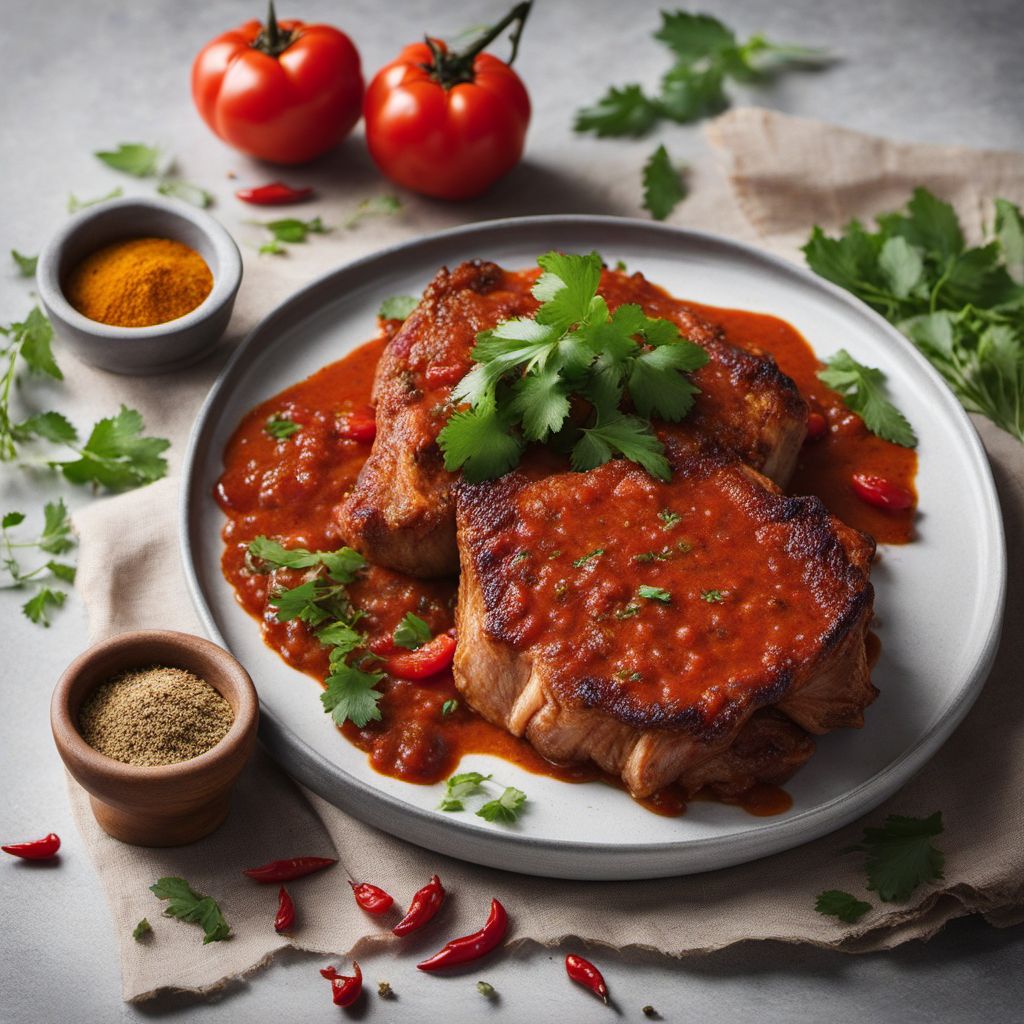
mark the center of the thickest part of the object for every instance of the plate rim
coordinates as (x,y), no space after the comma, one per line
(469,842)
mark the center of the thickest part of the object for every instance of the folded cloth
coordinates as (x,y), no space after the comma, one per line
(782,175)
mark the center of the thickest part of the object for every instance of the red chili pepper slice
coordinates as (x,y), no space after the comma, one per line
(277,193)
(344,990)
(471,947)
(285,911)
(434,656)
(817,426)
(37,849)
(360,425)
(587,975)
(371,898)
(425,904)
(882,493)
(287,870)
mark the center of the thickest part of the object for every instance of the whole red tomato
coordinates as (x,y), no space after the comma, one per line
(448,124)
(284,91)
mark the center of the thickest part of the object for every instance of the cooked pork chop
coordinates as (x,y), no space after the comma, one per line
(642,625)
(402,513)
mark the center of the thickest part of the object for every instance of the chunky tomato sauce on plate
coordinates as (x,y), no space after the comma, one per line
(288,489)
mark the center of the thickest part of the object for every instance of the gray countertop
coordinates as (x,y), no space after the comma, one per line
(83,76)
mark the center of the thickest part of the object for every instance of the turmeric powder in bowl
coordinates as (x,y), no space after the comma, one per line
(139,282)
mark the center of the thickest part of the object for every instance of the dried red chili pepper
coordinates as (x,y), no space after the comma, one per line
(587,975)
(287,870)
(817,426)
(425,904)
(277,193)
(285,911)
(371,898)
(471,947)
(38,849)
(882,493)
(344,990)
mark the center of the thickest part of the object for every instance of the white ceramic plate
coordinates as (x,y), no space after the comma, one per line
(939,600)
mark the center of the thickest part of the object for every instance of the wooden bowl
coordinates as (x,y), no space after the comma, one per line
(166,805)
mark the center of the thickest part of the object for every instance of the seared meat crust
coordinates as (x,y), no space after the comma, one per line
(401,512)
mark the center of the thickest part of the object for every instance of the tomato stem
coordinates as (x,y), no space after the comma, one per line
(450,69)
(271,40)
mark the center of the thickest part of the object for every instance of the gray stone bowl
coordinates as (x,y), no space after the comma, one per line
(140,350)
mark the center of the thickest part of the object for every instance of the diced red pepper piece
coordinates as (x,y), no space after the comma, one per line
(817,426)
(882,493)
(433,657)
(360,425)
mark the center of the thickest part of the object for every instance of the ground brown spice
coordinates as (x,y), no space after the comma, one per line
(154,716)
(139,282)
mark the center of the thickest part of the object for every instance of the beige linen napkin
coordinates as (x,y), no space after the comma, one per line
(784,175)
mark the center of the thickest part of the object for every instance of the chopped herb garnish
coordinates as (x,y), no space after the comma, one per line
(506,808)
(628,612)
(449,707)
(26,264)
(280,427)
(412,632)
(669,518)
(712,596)
(654,594)
(292,230)
(520,555)
(397,307)
(372,207)
(554,554)
(186,905)
(460,786)
(590,556)
(836,903)
(142,930)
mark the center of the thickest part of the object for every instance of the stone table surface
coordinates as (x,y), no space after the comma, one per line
(82,76)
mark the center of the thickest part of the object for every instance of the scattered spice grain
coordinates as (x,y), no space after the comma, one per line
(154,716)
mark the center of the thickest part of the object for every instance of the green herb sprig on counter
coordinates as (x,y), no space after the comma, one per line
(187,905)
(26,264)
(290,230)
(840,904)
(194,194)
(375,206)
(663,184)
(142,931)
(506,808)
(962,307)
(321,601)
(529,368)
(75,204)
(142,161)
(55,539)
(861,387)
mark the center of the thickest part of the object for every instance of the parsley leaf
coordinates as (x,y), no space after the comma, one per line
(35,608)
(654,594)
(663,185)
(900,855)
(412,632)
(51,426)
(621,111)
(351,695)
(458,787)
(861,388)
(506,808)
(689,94)
(134,158)
(397,307)
(117,455)
(292,230)
(692,36)
(343,564)
(186,905)
(837,903)
(31,339)
(185,190)
(960,306)
(56,539)
(628,435)
(75,204)
(26,264)
(475,441)
(280,427)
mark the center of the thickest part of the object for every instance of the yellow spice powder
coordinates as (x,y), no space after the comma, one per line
(139,282)
(154,716)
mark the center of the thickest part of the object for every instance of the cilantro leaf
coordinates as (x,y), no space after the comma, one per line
(689,94)
(342,636)
(901,265)
(862,390)
(1009,229)
(35,608)
(657,384)
(621,111)
(280,427)
(374,206)
(588,557)
(342,565)
(34,336)
(449,707)
(300,603)
(62,571)
(397,307)
(654,594)
(900,855)
(117,456)
(629,436)
(292,230)
(929,223)
(412,632)
(56,536)
(351,695)
(194,194)
(142,930)
(836,903)
(272,553)
(567,288)
(12,519)
(75,204)
(51,426)
(460,786)
(134,158)
(26,264)
(187,905)
(663,186)
(506,808)
(478,442)
(692,36)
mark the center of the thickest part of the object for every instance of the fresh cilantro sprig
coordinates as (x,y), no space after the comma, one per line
(55,539)
(187,905)
(375,206)
(505,808)
(663,184)
(136,159)
(706,53)
(26,264)
(836,903)
(190,193)
(862,390)
(397,307)
(29,342)
(528,369)
(75,204)
(412,632)
(901,855)
(290,230)
(962,307)
(321,601)
(280,427)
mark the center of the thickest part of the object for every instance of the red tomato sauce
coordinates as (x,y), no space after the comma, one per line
(288,489)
